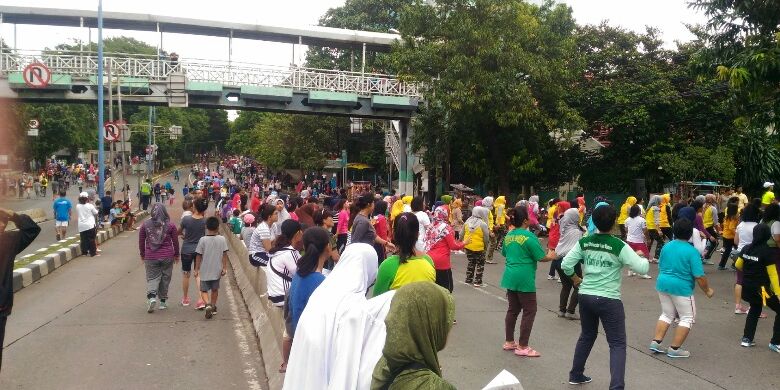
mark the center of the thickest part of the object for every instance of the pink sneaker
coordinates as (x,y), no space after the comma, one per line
(185,301)
(200,305)
(740,310)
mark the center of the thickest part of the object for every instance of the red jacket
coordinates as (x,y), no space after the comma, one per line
(440,252)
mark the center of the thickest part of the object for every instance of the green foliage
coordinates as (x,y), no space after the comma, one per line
(758,160)
(698,163)
(500,70)
(62,126)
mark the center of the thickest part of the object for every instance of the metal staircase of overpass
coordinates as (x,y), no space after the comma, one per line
(200,83)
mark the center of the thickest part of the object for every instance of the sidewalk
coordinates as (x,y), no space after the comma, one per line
(86,327)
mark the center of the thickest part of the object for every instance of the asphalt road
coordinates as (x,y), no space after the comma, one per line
(48,234)
(473,355)
(85,326)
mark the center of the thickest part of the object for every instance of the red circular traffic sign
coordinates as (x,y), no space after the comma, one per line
(36,75)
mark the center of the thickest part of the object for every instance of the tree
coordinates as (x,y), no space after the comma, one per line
(645,105)
(743,48)
(499,71)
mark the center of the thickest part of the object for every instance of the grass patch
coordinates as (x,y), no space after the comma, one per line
(41,255)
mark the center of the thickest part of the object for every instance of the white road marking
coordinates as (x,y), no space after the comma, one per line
(482,290)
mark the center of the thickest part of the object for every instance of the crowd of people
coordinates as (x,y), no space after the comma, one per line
(349,272)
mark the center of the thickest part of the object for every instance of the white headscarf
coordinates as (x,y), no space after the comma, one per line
(340,335)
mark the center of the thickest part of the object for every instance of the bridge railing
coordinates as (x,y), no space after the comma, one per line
(85,64)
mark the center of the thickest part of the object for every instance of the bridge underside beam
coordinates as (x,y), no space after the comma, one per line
(230,98)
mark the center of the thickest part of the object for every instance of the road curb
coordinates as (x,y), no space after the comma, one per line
(266,319)
(33,272)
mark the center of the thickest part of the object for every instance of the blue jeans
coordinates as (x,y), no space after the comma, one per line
(613,319)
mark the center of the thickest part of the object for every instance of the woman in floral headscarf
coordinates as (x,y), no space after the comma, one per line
(439,241)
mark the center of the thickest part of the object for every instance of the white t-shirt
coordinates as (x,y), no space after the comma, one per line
(86,213)
(635,230)
(422,218)
(745,234)
(775,228)
(263,232)
(699,243)
(285,262)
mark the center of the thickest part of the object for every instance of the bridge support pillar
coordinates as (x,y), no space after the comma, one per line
(406,159)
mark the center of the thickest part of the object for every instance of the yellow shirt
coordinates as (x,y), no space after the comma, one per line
(551,215)
(730,227)
(768,198)
(707,216)
(664,216)
(414,270)
(477,243)
(490,220)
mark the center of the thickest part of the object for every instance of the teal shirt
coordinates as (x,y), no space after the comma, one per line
(678,268)
(603,257)
(523,251)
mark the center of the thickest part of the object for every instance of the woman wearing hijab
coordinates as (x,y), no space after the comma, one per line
(306,214)
(592,226)
(760,285)
(456,218)
(158,242)
(340,335)
(571,232)
(421,316)
(381,227)
(624,210)
(281,207)
(554,235)
(439,242)
(581,207)
(653,222)
(697,239)
(477,235)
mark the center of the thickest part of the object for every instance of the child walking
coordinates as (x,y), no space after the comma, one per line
(211,249)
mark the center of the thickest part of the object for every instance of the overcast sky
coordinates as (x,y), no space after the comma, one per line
(668,15)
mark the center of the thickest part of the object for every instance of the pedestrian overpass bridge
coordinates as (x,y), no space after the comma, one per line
(149,80)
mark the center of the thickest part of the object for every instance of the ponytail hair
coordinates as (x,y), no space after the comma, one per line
(406,231)
(517,216)
(314,243)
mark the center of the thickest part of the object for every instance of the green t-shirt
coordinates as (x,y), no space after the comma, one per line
(522,251)
(603,256)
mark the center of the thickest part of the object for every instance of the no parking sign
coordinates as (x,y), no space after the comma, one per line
(36,75)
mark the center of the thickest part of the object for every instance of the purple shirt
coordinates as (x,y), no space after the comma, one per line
(169,248)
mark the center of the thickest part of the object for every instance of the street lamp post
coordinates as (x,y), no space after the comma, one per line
(101,152)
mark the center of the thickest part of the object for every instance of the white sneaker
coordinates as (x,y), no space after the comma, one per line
(645,276)
(631,273)
(150,305)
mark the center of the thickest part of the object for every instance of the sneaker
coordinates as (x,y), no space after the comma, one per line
(185,301)
(209,311)
(200,305)
(150,305)
(558,280)
(572,316)
(721,268)
(631,273)
(580,381)
(58,237)
(774,347)
(708,262)
(490,262)
(645,276)
(740,310)
(677,353)
(561,314)
(656,347)
(163,305)
(550,277)
(479,285)
(214,309)
(746,342)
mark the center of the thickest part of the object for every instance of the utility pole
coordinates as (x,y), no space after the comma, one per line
(101,152)
(150,160)
(122,132)
(111,119)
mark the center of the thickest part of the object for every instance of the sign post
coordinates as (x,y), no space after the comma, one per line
(33,124)
(36,75)
(111,131)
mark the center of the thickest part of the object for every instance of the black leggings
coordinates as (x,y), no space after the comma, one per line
(444,278)
(568,300)
(752,295)
(728,246)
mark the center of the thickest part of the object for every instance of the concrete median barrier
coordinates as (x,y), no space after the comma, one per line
(266,319)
